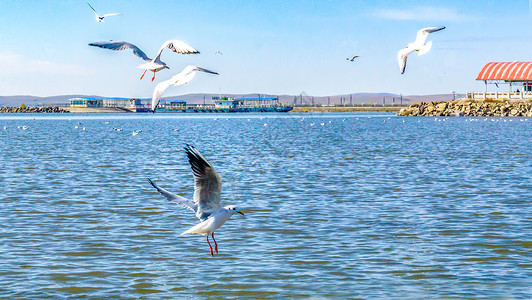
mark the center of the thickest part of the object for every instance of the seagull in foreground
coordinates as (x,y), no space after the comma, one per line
(352,59)
(154,65)
(100,18)
(182,78)
(419,45)
(206,203)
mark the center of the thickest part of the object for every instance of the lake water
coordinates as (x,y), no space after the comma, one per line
(363,206)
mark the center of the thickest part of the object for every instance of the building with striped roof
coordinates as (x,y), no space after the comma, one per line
(518,76)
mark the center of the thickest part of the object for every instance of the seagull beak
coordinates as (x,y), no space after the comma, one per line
(240,212)
(167,67)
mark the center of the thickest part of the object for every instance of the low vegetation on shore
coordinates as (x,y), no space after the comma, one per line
(29,109)
(464,107)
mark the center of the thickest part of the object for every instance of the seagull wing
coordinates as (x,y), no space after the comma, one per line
(97,17)
(176,46)
(401,58)
(183,77)
(173,198)
(207,186)
(158,92)
(121,45)
(110,15)
(422,34)
(188,74)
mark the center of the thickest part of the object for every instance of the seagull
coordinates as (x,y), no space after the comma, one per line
(218,52)
(352,59)
(100,19)
(206,202)
(182,78)
(419,45)
(154,65)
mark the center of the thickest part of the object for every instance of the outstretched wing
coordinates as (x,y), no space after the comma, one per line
(173,198)
(158,92)
(121,45)
(110,15)
(422,34)
(97,17)
(208,184)
(401,58)
(176,46)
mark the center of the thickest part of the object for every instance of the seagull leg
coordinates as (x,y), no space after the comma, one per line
(153,76)
(215,244)
(212,254)
(143,74)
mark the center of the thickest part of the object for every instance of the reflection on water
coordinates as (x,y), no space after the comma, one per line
(365,205)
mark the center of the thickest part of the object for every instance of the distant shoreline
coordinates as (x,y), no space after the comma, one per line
(298,109)
(338,109)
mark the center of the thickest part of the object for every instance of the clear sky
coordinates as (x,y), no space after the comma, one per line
(274,47)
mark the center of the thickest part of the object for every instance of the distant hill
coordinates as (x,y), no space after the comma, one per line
(303,98)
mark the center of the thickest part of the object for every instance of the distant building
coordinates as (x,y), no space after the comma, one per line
(109,102)
(85,102)
(517,75)
(177,104)
(226,102)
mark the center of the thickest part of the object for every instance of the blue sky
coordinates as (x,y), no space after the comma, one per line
(274,47)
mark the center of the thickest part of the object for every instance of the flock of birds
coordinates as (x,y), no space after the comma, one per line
(207,189)
(156,64)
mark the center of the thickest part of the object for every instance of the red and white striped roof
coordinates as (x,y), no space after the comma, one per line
(506,71)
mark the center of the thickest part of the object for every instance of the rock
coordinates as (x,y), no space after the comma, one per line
(464,107)
(441,106)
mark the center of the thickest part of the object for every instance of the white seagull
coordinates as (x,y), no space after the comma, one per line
(100,18)
(182,78)
(206,203)
(419,45)
(154,65)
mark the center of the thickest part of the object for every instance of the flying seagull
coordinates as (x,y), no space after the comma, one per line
(206,202)
(218,52)
(154,65)
(419,45)
(100,18)
(353,59)
(182,78)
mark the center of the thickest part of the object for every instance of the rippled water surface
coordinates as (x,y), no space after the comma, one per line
(363,206)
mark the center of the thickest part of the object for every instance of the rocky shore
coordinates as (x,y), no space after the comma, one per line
(465,107)
(28,109)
